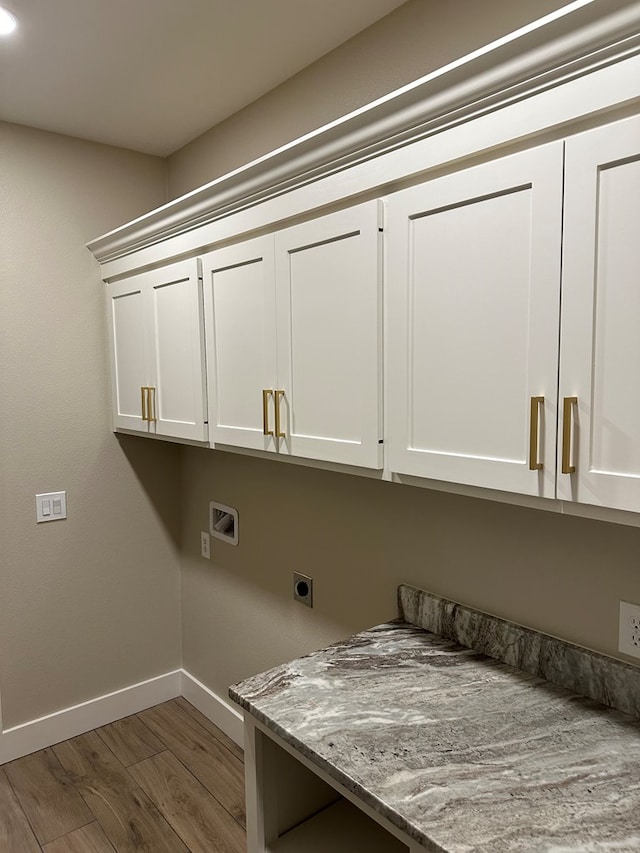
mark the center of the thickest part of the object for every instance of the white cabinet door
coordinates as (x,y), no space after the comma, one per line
(127,350)
(157,352)
(328,290)
(176,334)
(239,294)
(600,344)
(473,284)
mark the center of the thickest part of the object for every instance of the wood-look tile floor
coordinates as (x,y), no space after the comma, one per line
(163,781)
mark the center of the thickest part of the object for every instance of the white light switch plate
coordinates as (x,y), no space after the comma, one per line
(51,506)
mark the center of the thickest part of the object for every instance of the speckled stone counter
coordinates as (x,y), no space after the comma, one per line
(460,751)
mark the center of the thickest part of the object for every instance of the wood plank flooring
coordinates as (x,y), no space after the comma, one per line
(166,780)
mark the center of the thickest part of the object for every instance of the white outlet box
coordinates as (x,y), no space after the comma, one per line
(205,545)
(629,637)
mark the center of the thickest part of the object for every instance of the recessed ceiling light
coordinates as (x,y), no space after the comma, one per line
(8,22)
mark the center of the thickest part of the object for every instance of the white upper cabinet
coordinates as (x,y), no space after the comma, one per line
(294,340)
(328,298)
(508,333)
(239,298)
(128,347)
(157,352)
(599,446)
(473,289)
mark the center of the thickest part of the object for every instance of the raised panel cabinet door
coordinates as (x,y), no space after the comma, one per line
(328,295)
(473,288)
(599,433)
(127,352)
(176,333)
(239,295)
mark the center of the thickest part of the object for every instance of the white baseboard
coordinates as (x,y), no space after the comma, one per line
(69,722)
(214,707)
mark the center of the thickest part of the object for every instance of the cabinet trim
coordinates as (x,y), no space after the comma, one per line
(559,47)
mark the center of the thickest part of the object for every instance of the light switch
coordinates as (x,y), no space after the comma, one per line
(51,506)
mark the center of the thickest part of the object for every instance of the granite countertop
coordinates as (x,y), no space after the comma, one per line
(462,751)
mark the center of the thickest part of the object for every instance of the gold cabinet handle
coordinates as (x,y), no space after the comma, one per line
(567,409)
(534,423)
(143,402)
(276,400)
(151,404)
(265,411)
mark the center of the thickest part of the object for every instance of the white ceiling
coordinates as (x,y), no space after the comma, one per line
(152,75)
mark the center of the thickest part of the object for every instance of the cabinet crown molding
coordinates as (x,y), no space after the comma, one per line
(562,46)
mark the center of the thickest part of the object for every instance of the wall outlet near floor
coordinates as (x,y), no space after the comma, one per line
(205,545)
(303,589)
(629,638)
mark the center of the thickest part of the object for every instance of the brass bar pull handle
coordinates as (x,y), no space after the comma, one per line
(276,400)
(143,402)
(568,403)
(265,411)
(534,423)
(152,405)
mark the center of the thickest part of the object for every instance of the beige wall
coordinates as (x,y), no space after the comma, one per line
(359,538)
(90,604)
(418,37)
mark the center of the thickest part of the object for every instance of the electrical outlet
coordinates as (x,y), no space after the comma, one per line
(205,545)
(629,638)
(303,589)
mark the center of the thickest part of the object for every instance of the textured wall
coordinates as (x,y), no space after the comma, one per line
(90,604)
(418,37)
